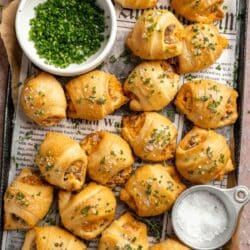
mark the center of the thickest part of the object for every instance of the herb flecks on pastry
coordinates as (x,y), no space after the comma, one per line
(43,100)
(151,136)
(26,201)
(137,4)
(202,156)
(62,162)
(157,35)
(51,237)
(125,233)
(202,46)
(169,244)
(151,86)
(208,104)
(87,213)
(94,95)
(201,11)
(110,158)
(152,189)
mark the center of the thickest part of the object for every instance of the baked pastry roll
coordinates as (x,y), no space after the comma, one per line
(201,11)
(169,244)
(137,4)
(202,156)
(51,237)
(43,100)
(94,95)
(88,213)
(110,158)
(152,136)
(157,35)
(151,86)
(26,201)
(208,104)
(62,162)
(124,233)
(152,190)
(202,46)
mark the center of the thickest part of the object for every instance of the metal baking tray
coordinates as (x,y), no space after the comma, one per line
(9,114)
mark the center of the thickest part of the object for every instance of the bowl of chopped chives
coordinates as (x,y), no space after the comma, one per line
(66,37)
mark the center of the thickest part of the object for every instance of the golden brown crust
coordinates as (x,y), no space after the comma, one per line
(202,46)
(110,158)
(202,156)
(89,212)
(124,232)
(94,95)
(43,100)
(169,244)
(26,201)
(137,4)
(62,161)
(157,35)
(151,136)
(152,190)
(51,237)
(151,86)
(203,11)
(208,104)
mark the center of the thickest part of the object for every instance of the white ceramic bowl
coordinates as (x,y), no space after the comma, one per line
(26,12)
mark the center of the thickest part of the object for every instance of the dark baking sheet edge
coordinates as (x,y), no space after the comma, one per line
(6,150)
(242,81)
(7,129)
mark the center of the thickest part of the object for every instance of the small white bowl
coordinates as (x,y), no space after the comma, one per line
(26,12)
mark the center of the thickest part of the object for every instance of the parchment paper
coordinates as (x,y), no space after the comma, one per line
(8,35)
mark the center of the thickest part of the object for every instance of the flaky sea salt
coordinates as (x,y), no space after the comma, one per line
(202,216)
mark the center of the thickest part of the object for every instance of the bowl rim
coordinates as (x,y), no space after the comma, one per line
(86,67)
(218,192)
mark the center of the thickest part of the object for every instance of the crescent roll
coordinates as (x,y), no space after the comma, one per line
(26,201)
(62,162)
(151,86)
(201,11)
(94,95)
(137,4)
(202,46)
(88,213)
(202,156)
(169,244)
(124,233)
(110,158)
(51,238)
(43,100)
(152,190)
(208,104)
(152,136)
(157,35)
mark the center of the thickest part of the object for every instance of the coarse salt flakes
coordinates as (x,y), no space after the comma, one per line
(202,216)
